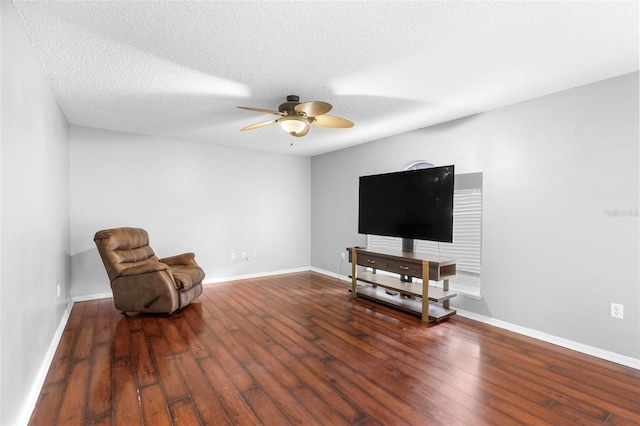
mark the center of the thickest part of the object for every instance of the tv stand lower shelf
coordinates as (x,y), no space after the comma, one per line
(431,303)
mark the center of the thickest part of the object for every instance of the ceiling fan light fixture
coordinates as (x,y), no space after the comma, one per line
(294,125)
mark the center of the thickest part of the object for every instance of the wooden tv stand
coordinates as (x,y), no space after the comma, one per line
(432,304)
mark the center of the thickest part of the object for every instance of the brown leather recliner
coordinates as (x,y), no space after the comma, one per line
(139,280)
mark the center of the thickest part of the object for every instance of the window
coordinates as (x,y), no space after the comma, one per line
(467,236)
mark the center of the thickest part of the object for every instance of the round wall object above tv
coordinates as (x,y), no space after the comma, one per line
(417,165)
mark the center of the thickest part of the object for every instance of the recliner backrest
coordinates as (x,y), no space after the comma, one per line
(123,248)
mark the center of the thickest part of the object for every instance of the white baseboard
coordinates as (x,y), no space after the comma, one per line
(535,334)
(344,278)
(558,341)
(257,275)
(36,387)
(96,296)
(87,297)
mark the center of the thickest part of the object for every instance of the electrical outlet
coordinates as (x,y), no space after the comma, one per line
(343,255)
(617,310)
(244,256)
(233,256)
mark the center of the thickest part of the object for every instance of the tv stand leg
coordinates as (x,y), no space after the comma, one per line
(354,273)
(445,287)
(425,291)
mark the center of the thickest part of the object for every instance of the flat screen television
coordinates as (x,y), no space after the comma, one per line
(413,205)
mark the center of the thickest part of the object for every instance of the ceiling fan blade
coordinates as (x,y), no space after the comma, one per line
(259,125)
(313,108)
(264,111)
(332,121)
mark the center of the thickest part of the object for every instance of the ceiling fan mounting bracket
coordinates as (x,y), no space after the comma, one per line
(287,108)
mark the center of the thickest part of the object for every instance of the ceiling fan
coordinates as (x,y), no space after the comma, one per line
(295,117)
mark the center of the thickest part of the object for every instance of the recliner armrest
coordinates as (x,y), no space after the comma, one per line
(180,259)
(144,269)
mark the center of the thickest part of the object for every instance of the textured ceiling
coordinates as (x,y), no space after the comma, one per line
(178,69)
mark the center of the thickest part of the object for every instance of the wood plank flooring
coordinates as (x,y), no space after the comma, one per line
(296,349)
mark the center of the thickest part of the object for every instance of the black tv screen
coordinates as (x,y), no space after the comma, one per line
(415,204)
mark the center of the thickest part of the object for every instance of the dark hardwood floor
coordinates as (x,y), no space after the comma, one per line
(295,349)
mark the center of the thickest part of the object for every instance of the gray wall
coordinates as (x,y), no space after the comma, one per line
(554,258)
(198,197)
(34,218)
